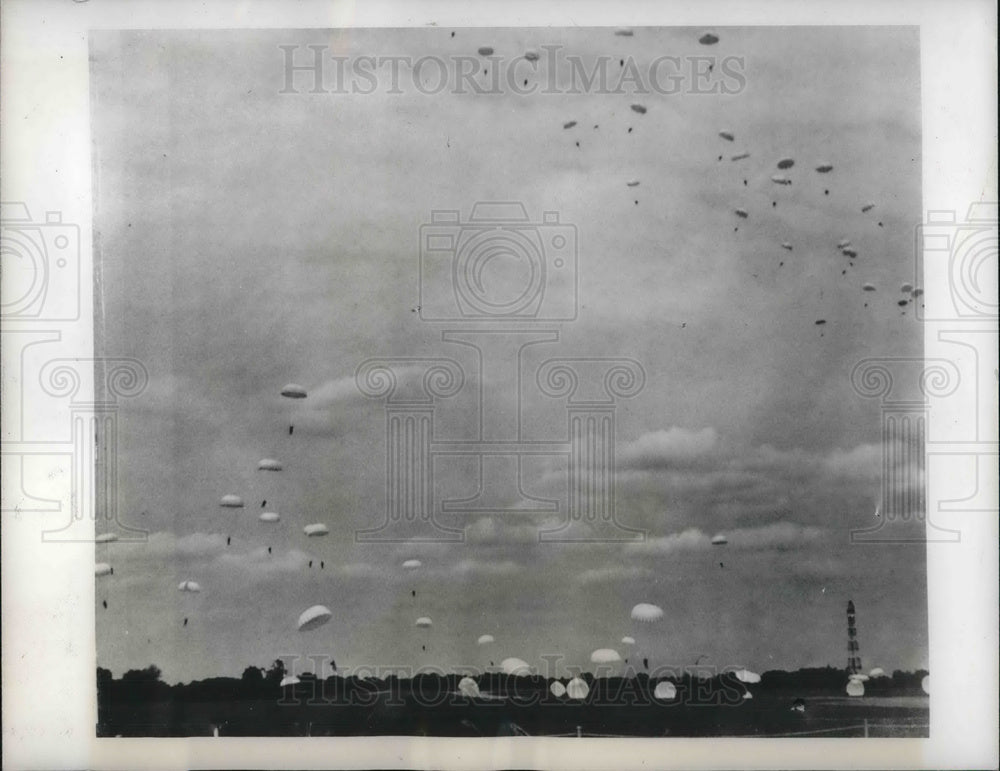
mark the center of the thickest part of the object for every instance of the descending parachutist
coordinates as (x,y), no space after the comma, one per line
(268,549)
(321,564)
(105,604)
(721,565)
(263,504)
(185,622)
(291,430)
(423,647)
(645,663)
(310,563)
(629,129)
(413,593)
(112,571)
(228,540)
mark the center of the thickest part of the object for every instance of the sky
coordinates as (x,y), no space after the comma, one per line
(248,238)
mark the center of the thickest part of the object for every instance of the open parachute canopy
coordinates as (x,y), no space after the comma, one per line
(626,640)
(605,656)
(647,612)
(293,391)
(877,672)
(485,639)
(423,622)
(577,689)
(106,538)
(268,464)
(708,39)
(786,163)
(485,51)
(742,213)
(780,179)
(314,618)
(633,183)
(189,586)
(557,689)
(907,288)
(412,564)
(515,666)
(746,676)
(740,156)
(719,540)
(624,32)
(289,680)
(824,168)
(729,136)
(269,516)
(665,690)
(531,56)
(786,246)
(102,569)
(855,688)
(868,207)
(315,529)
(848,252)
(231,501)
(639,108)
(468,687)
(569,124)
(869,287)
(925,685)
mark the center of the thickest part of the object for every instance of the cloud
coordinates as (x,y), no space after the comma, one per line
(477,567)
(665,448)
(778,535)
(613,573)
(498,531)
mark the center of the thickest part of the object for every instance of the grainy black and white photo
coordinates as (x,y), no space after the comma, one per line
(559,382)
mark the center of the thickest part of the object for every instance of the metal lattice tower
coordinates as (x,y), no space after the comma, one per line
(853,651)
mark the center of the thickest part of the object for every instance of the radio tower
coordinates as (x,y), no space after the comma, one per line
(853,653)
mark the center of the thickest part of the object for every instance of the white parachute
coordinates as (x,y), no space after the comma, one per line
(746,676)
(231,501)
(557,689)
(189,586)
(314,618)
(531,56)
(665,690)
(412,564)
(719,540)
(780,179)
(103,569)
(855,688)
(106,538)
(289,680)
(485,639)
(786,246)
(315,529)
(647,612)
(268,464)
(424,622)
(293,391)
(633,183)
(269,516)
(626,640)
(515,666)
(877,672)
(577,689)
(843,244)
(925,684)
(468,687)
(605,656)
